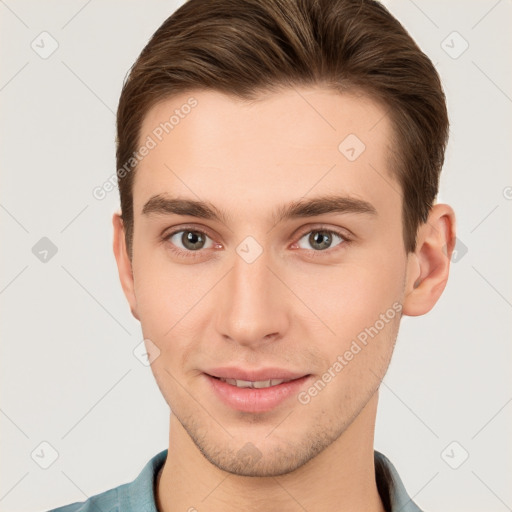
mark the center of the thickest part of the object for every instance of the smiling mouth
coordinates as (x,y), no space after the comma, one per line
(257,384)
(256,396)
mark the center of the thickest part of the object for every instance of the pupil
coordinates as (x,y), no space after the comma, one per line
(319,236)
(193,239)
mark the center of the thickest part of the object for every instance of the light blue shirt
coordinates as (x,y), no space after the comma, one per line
(139,495)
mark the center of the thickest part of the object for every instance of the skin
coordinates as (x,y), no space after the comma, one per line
(288,308)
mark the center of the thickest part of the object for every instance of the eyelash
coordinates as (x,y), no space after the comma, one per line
(198,253)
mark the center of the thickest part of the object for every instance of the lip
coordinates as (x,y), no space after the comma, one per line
(255,400)
(226,372)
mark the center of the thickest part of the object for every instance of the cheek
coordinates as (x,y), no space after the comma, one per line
(352,298)
(169,296)
(364,315)
(158,291)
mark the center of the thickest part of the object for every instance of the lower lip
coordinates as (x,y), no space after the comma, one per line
(255,400)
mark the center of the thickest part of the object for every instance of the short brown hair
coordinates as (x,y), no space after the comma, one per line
(248,47)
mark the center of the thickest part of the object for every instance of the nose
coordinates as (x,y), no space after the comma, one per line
(254,304)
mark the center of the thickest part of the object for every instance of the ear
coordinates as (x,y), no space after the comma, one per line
(428,267)
(124,265)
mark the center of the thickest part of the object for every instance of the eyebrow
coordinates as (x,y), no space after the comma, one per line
(164,205)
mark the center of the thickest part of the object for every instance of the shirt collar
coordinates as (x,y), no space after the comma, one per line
(139,495)
(392,493)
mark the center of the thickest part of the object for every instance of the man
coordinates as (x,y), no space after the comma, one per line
(278,163)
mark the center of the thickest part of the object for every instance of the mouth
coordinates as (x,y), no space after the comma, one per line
(256,395)
(254,384)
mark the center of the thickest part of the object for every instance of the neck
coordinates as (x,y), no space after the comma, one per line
(341,478)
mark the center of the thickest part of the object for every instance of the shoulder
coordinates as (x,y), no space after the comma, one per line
(136,496)
(107,501)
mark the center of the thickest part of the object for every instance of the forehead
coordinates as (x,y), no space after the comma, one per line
(284,145)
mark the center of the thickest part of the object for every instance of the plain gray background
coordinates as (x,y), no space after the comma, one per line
(68,374)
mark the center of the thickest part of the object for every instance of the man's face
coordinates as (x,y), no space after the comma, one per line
(250,292)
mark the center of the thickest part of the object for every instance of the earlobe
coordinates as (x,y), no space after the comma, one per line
(124,265)
(429,266)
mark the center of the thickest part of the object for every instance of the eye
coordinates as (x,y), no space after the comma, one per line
(188,241)
(322,239)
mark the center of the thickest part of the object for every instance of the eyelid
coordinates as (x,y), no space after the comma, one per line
(187,227)
(316,227)
(343,232)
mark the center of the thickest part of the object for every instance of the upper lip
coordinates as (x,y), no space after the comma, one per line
(254,374)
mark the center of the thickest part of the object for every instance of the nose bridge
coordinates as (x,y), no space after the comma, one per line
(253,307)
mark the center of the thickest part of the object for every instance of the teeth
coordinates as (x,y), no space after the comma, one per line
(257,384)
